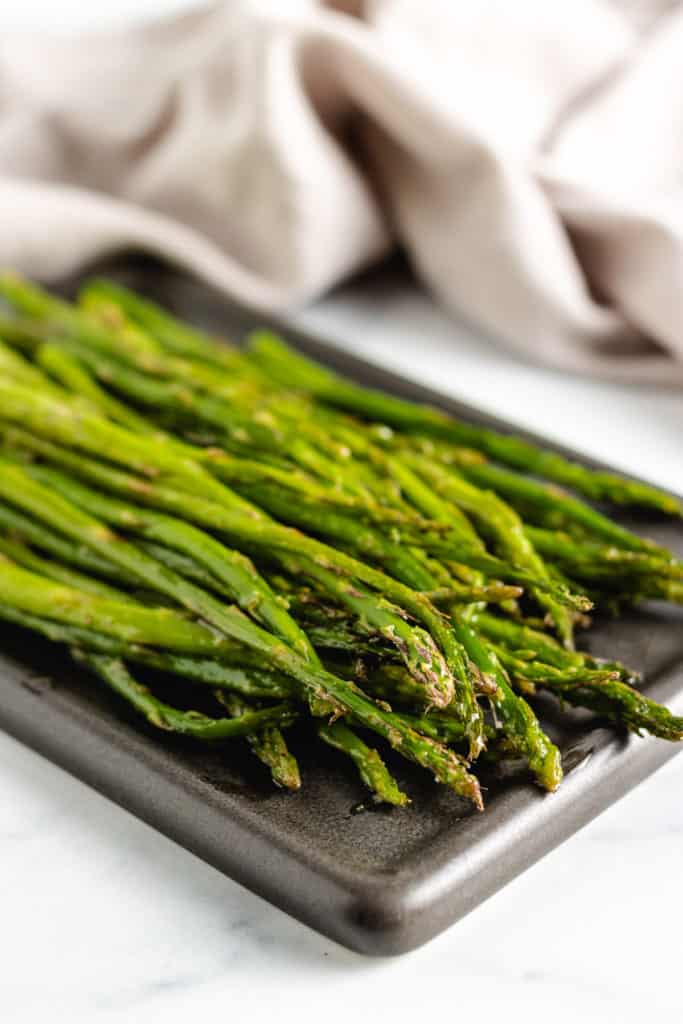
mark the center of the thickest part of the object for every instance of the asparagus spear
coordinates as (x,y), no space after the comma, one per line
(533,494)
(601,691)
(63,366)
(189,723)
(469,709)
(246,676)
(68,423)
(186,566)
(439,727)
(454,593)
(363,540)
(506,527)
(596,561)
(253,594)
(15,367)
(519,721)
(36,595)
(28,531)
(233,569)
(19,553)
(360,487)
(370,765)
(293,370)
(174,335)
(72,427)
(507,631)
(623,705)
(60,320)
(422,657)
(367,543)
(244,473)
(254,682)
(268,745)
(533,671)
(282,539)
(344,637)
(89,621)
(46,316)
(121,620)
(519,637)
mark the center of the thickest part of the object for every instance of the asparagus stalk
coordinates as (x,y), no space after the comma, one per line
(384,681)
(365,542)
(601,691)
(342,636)
(623,705)
(69,424)
(188,723)
(186,566)
(67,370)
(368,544)
(293,370)
(544,648)
(595,561)
(252,683)
(19,553)
(16,368)
(234,570)
(394,516)
(27,531)
(178,387)
(260,533)
(492,592)
(371,768)
(519,721)
(505,526)
(72,427)
(531,494)
(121,620)
(237,669)
(421,656)
(58,320)
(246,676)
(172,334)
(243,473)
(36,595)
(533,671)
(268,745)
(254,595)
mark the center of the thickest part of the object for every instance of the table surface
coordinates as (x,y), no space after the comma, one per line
(105,920)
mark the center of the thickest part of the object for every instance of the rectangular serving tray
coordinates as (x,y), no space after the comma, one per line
(380,882)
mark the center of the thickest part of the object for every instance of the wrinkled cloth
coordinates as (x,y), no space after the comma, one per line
(527,156)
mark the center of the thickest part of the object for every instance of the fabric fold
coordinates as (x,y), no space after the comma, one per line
(527,157)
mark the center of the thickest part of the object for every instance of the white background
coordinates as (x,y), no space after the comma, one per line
(104,920)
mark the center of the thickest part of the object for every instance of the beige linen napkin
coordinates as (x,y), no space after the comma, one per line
(528,156)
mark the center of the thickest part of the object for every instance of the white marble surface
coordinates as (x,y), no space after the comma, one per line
(103,920)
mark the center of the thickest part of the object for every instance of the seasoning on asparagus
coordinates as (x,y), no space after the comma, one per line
(276,538)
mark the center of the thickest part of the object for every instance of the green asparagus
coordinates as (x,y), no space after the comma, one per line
(290,545)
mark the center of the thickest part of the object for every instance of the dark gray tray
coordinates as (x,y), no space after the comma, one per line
(380,882)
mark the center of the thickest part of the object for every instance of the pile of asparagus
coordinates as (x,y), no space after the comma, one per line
(293,546)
